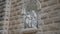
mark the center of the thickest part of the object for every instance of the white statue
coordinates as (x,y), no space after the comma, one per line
(30,7)
(31,19)
(34,19)
(28,20)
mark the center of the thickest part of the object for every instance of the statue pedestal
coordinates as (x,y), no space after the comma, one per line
(29,31)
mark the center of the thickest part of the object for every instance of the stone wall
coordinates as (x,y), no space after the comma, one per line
(48,20)
(15,18)
(49,17)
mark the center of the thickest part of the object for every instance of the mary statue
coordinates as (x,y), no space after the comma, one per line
(30,13)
